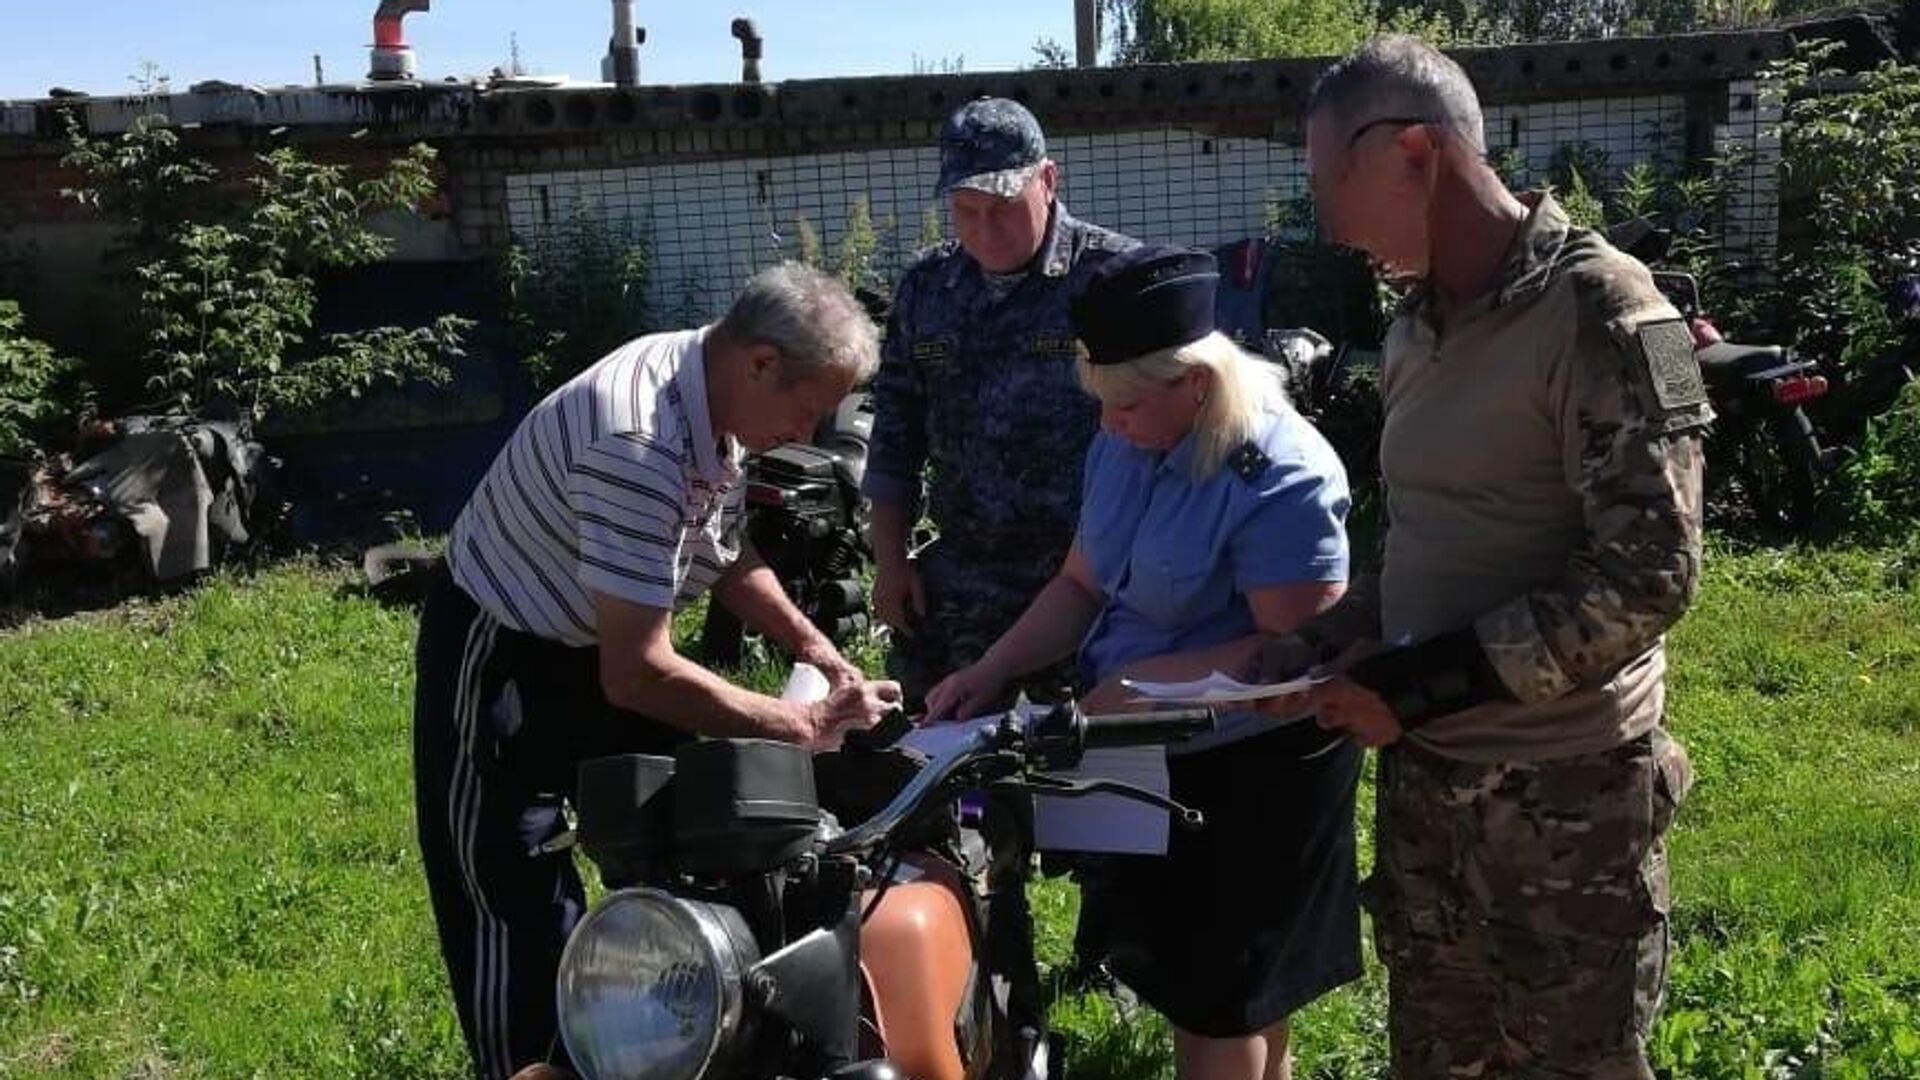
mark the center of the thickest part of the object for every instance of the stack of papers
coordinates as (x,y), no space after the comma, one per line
(1109,824)
(1219,689)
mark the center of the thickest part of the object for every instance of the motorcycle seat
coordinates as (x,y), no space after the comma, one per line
(1729,359)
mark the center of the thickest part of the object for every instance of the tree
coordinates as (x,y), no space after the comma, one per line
(577,293)
(1171,31)
(228,292)
(1563,20)
(1051,55)
(858,244)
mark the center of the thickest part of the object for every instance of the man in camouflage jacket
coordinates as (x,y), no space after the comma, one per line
(1542,455)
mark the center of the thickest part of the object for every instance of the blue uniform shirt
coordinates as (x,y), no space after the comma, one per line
(1176,557)
(978,396)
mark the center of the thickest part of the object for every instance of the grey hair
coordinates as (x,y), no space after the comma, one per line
(810,317)
(1398,75)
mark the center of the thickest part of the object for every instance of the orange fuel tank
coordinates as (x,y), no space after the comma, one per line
(917,954)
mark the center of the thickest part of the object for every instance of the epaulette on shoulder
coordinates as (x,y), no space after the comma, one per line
(1099,239)
(932,253)
(1249,462)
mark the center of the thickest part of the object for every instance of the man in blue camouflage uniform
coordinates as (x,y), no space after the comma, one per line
(979,410)
(977,405)
(1542,458)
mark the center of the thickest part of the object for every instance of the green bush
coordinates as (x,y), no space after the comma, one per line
(227,286)
(577,294)
(1878,491)
(1852,146)
(35,386)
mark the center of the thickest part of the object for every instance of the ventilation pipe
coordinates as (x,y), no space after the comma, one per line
(392,56)
(623,52)
(1086,32)
(751,46)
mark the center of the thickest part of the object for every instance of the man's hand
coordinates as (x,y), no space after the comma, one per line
(898,596)
(1345,705)
(1290,657)
(839,672)
(848,708)
(964,693)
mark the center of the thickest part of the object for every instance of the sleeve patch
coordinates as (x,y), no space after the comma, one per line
(1666,347)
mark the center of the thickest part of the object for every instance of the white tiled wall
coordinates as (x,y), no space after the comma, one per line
(1751,136)
(1625,130)
(712,224)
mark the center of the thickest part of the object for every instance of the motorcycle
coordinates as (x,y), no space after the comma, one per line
(747,933)
(142,501)
(1765,441)
(807,519)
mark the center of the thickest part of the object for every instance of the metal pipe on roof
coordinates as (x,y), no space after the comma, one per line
(752,46)
(393,58)
(1086,32)
(623,52)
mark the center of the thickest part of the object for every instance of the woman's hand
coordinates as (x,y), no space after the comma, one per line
(1108,697)
(965,693)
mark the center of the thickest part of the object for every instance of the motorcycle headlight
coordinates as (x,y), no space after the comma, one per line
(649,986)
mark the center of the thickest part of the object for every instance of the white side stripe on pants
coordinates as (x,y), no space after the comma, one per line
(489,989)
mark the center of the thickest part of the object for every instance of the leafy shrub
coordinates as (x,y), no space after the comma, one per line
(35,386)
(227,289)
(577,294)
(1852,146)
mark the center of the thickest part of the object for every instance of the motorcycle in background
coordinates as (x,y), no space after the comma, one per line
(142,501)
(1765,442)
(807,519)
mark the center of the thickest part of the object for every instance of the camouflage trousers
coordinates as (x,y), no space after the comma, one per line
(1521,910)
(970,603)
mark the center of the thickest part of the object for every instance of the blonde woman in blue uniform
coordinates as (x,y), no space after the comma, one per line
(1212,514)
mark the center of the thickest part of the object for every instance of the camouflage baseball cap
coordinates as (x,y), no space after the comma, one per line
(991,145)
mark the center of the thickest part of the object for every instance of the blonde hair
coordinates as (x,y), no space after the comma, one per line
(1244,389)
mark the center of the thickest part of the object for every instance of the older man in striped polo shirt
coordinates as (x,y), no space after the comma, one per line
(546,639)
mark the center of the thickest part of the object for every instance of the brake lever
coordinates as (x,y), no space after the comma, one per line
(1045,784)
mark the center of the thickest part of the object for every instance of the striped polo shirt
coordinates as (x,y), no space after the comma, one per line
(615,484)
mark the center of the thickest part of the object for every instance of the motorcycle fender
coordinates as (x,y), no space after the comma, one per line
(917,953)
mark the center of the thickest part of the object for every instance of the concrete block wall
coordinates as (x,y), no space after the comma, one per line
(712,223)
(718,175)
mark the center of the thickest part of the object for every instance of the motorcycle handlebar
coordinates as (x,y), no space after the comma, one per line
(1056,738)
(1146,728)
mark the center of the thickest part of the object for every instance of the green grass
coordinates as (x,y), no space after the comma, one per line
(207,865)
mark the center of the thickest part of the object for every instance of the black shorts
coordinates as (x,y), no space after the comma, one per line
(1255,914)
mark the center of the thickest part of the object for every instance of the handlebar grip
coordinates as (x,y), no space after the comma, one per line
(891,729)
(1146,728)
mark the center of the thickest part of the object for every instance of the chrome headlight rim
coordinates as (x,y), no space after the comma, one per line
(724,943)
